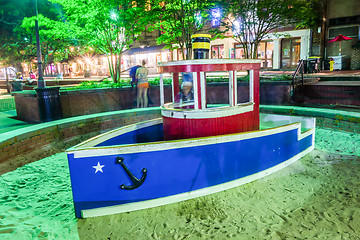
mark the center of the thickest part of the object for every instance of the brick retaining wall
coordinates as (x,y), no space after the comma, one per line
(328,95)
(25,140)
(78,103)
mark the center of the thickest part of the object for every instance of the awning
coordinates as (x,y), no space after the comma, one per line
(340,38)
(157,48)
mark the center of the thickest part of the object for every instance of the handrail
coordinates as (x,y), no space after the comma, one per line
(299,69)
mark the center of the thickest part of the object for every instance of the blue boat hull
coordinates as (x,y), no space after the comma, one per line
(176,170)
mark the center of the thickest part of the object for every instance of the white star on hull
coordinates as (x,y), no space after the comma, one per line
(98,167)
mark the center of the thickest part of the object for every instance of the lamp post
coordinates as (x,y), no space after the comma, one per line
(41,82)
(48,97)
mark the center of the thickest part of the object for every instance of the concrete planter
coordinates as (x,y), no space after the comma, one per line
(270,92)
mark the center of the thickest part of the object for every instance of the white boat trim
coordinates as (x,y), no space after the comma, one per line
(208,61)
(196,93)
(169,111)
(86,149)
(162,102)
(251,85)
(91,142)
(203,90)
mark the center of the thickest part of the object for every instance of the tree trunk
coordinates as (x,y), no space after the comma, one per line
(246,51)
(183,53)
(189,55)
(118,67)
(254,55)
(115,67)
(7,81)
(111,66)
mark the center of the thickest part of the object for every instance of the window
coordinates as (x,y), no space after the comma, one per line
(265,53)
(198,20)
(148,33)
(215,17)
(290,52)
(147,5)
(217,51)
(180,55)
(237,27)
(161,30)
(352,31)
(239,51)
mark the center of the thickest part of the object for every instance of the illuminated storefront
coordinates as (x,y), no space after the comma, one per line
(217,51)
(290,52)
(265,53)
(238,51)
(152,55)
(277,51)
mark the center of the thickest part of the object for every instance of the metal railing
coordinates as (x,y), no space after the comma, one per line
(300,69)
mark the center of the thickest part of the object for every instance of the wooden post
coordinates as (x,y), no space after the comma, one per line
(175,86)
(162,98)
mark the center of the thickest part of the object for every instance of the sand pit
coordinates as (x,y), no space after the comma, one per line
(318,197)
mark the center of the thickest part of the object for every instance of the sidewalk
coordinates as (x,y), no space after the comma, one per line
(327,73)
(9,123)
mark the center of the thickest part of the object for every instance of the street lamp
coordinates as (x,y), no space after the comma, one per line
(41,82)
(48,97)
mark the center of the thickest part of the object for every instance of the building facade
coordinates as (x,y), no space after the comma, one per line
(343,17)
(282,50)
(276,52)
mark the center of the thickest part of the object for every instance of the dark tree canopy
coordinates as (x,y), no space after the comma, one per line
(17,36)
(110,26)
(179,19)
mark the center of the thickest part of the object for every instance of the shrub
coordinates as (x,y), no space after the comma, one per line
(283,77)
(156,81)
(106,83)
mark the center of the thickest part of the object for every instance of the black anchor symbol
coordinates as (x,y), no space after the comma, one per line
(136,182)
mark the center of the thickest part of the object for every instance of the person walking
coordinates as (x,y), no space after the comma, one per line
(142,86)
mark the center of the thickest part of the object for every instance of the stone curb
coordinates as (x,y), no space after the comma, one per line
(328,118)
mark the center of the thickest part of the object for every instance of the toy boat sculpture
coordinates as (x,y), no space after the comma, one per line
(189,152)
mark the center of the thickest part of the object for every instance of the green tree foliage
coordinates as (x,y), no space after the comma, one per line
(251,20)
(109,26)
(55,38)
(309,13)
(17,33)
(178,20)
(11,15)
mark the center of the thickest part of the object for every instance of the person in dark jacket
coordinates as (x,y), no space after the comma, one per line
(134,81)
(132,74)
